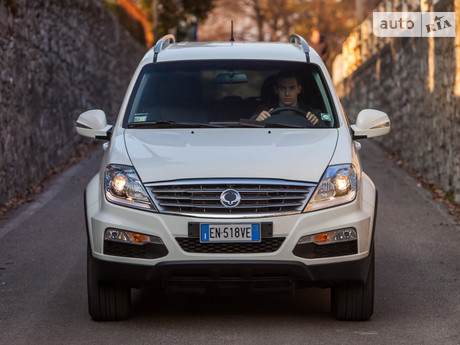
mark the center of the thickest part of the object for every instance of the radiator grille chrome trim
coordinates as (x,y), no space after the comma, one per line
(259,197)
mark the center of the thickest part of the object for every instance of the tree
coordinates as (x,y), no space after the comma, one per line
(173,13)
(275,20)
(277,16)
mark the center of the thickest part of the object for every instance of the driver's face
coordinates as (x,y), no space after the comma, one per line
(287,91)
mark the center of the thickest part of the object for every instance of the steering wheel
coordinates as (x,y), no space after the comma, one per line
(289,115)
(290,110)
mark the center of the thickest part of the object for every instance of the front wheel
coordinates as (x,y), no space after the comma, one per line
(106,302)
(354,302)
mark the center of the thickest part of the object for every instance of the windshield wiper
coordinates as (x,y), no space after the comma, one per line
(242,122)
(262,124)
(252,123)
(282,125)
(171,124)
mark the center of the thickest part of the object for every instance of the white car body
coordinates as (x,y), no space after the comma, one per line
(161,155)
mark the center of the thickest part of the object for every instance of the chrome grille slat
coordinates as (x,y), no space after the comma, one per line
(259,197)
(187,198)
(241,190)
(251,198)
(223,208)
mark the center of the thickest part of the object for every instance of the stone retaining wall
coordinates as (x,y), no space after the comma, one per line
(58,58)
(414,81)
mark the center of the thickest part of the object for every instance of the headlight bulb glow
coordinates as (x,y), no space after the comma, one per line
(341,182)
(119,183)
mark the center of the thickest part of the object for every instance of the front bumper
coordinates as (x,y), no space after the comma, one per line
(281,265)
(253,274)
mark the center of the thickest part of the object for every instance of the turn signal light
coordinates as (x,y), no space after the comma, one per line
(138,238)
(322,238)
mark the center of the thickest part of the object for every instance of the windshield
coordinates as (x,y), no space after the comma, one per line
(233,93)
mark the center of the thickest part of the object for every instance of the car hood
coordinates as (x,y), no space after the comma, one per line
(290,154)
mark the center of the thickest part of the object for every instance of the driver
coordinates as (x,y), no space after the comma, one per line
(288,88)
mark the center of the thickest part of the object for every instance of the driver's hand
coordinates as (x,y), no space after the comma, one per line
(311,117)
(264,115)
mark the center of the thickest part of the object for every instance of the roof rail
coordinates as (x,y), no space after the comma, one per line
(162,44)
(297,39)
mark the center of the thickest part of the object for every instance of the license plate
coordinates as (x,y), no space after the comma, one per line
(230,233)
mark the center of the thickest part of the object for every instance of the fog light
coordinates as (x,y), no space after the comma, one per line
(117,235)
(342,235)
(345,235)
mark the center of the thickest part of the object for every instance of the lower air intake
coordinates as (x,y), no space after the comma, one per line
(267,245)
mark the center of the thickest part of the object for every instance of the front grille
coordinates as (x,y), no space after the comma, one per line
(266,245)
(258,197)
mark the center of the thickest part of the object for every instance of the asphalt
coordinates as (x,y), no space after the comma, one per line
(417,301)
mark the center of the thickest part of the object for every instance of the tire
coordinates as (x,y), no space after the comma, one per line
(355,302)
(106,302)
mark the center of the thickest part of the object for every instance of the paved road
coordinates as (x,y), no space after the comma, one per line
(43,282)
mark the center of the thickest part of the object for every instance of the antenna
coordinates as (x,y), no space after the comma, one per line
(231,34)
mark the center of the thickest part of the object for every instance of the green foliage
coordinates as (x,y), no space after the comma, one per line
(450,195)
(173,14)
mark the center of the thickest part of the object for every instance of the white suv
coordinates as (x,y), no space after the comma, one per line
(196,189)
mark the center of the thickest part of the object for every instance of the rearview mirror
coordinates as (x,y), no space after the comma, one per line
(231,78)
(370,123)
(93,124)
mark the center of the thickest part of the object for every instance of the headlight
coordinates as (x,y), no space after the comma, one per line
(122,186)
(338,186)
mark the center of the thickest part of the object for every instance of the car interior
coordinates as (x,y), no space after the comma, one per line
(218,96)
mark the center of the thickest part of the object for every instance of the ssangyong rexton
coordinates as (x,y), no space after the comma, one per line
(194,191)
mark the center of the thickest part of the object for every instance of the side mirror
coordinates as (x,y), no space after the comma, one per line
(370,123)
(93,124)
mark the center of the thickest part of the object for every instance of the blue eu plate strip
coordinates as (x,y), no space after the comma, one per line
(204,232)
(255,232)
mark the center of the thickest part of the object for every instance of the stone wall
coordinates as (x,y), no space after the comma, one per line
(414,81)
(58,58)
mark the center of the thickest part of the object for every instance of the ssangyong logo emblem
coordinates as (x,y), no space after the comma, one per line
(230,198)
